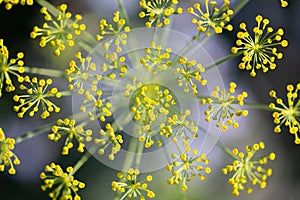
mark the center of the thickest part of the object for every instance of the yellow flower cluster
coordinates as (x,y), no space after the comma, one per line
(259,52)
(82,75)
(159,11)
(179,127)
(149,104)
(287,114)
(60,31)
(64,185)
(95,106)
(37,94)
(187,166)
(115,33)
(189,74)
(115,65)
(130,187)
(156,58)
(212,18)
(109,137)
(7,157)
(71,130)
(8,67)
(284,3)
(10,3)
(247,169)
(222,107)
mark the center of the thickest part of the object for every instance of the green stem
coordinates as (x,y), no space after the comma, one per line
(130,154)
(258,106)
(222,60)
(35,132)
(239,6)
(49,7)
(42,71)
(123,11)
(182,194)
(139,154)
(84,159)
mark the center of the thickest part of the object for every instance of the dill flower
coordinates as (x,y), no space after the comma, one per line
(156,59)
(287,114)
(109,137)
(60,31)
(247,169)
(130,187)
(222,107)
(8,67)
(64,185)
(10,3)
(95,106)
(69,128)
(115,65)
(149,104)
(188,165)
(82,74)
(179,126)
(259,52)
(114,32)
(159,11)
(37,95)
(189,74)
(7,157)
(211,18)
(284,3)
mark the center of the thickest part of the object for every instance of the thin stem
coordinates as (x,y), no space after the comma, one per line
(123,11)
(84,159)
(239,6)
(222,60)
(139,154)
(33,133)
(258,106)
(42,71)
(182,194)
(130,154)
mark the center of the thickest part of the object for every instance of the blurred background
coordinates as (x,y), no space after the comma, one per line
(35,153)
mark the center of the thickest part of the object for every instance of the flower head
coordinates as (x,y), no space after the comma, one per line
(284,3)
(189,74)
(211,18)
(7,157)
(222,107)
(114,32)
(82,74)
(287,114)
(247,169)
(10,3)
(259,52)
(159,11)
(130,187)
(64,185)
(71,130)
(156,59)
(186,167)
(115,65)
(179,126)
(58,32)
(109,137)
(8,67)
(95,106)
(37,95)
(150,103)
